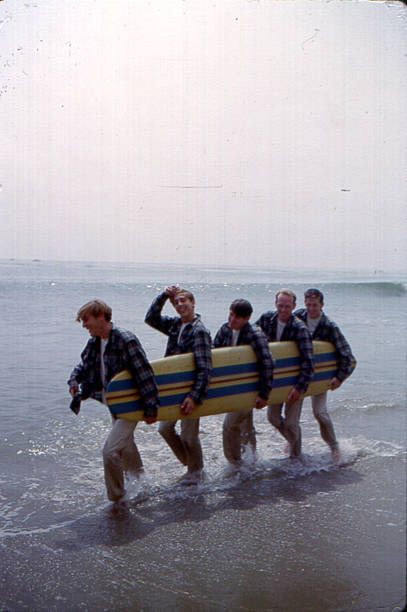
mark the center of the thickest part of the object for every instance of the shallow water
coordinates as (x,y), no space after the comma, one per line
(275,536)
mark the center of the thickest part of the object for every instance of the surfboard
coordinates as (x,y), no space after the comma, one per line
(233,385)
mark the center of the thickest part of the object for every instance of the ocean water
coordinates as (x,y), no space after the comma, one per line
(272,537)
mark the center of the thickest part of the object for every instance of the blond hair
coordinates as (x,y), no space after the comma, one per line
(94,308)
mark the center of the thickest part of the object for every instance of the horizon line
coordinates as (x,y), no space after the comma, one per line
(204,265)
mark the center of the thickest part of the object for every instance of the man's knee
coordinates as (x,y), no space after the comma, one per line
(319,406)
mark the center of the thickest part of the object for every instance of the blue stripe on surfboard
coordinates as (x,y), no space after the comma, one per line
(185,377)
(188,376)
(241,368)
(177,398)
(171,400)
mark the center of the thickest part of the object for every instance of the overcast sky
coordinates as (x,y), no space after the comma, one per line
(228,132)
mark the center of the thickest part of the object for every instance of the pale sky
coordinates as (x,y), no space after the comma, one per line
(254,132)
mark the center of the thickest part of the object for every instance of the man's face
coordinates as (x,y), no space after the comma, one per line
(236,322)
(314,307)
(184,307)
(285,305)
(93,324)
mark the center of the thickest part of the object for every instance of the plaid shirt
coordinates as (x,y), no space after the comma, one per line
(297,331)
(328,331)
(258,341)
(195,338)
(123,352)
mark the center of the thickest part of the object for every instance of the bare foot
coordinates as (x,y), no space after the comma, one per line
(298,459)
(191,478)
(337,457)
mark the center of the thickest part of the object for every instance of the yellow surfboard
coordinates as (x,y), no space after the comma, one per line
(233,385)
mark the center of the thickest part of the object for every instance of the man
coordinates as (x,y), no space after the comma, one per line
(281,325)
(238,426)
(109,351)
(322,328)
(186,334)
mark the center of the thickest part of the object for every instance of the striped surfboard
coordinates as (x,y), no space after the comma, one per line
(234,381)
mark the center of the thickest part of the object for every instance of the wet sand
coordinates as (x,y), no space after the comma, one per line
(328,540)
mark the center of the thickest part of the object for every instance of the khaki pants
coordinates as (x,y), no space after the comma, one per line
(289,425)
(186,447)
(319,408)
(120,454)
(238,430)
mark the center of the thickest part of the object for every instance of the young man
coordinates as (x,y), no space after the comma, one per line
(281,325)
(238,427)
(186,334)
(322,328)
(109,351)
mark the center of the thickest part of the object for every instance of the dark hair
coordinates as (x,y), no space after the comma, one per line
(241,308)
(314,293)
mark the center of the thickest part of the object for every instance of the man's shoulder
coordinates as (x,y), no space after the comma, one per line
(325,320)
(254,331)
(224,328)
(256,337)
(268,315)
(299,325)
(199,327)
(119,334)
(330,325)
(91,344)
(295,320)
(300,313)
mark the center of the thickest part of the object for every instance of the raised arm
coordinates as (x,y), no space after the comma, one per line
(155,319)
